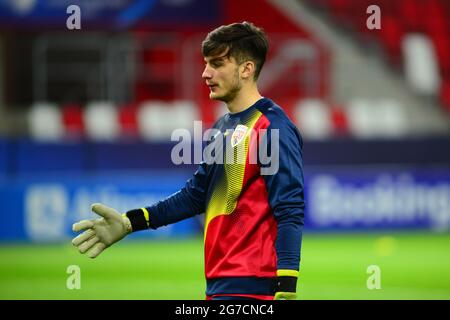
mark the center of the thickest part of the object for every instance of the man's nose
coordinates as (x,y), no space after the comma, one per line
(207,74)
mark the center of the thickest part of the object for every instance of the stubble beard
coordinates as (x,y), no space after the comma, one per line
(234,90)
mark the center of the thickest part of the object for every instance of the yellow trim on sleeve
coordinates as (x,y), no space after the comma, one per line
(287,272)
(146,215)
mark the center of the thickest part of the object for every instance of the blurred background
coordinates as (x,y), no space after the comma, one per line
(86,115)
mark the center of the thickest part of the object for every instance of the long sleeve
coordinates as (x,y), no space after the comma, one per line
(183,204)
(286,193)
(186,203)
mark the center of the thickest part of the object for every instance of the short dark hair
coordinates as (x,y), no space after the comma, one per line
(244,41)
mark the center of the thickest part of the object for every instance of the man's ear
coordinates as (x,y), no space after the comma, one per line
(248,69)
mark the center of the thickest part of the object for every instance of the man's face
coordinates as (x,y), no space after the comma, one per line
(221,75)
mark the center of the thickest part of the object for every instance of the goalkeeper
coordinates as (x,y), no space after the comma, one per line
(254,210)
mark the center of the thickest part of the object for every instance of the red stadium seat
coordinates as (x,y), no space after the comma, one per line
(442,47)
(436,21)
(73,120)
(127,120)
(391,35)
(341,9)
(410,12)
(445,94)
(339,120)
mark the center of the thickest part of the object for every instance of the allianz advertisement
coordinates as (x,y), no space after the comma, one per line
(43,209)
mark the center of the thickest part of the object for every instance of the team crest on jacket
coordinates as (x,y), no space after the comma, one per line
(238,135)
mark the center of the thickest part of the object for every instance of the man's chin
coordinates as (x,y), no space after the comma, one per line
(215,96)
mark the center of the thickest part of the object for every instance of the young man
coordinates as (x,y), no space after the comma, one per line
(254,208)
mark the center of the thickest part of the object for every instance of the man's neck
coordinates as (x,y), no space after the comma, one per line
(243,101)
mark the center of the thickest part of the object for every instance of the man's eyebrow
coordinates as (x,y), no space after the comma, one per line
(217,59)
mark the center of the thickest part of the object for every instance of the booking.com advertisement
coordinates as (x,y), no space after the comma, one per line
(336,199)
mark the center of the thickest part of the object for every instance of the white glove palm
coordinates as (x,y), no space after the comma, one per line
(100,233)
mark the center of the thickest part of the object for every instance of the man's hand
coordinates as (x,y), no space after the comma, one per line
(101,233)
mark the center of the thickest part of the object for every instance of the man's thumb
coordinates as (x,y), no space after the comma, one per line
(102,210)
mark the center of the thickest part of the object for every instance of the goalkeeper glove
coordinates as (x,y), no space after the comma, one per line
(286,285)
(101,233)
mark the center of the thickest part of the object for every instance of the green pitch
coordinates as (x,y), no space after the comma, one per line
(412,265)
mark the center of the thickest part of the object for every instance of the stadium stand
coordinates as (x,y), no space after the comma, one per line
(160,89)
(400,20)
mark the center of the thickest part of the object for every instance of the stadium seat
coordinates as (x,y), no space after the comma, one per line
(45,122)
(184,114)
(340,8)
(73,120)
(128,121)
(101,121)
(158,119)
(391,35)
(442,48)
(392,119)
(154,121)
(420,64)
(339,120)
(383,118)
(313,119)
(445,95)
(410,13)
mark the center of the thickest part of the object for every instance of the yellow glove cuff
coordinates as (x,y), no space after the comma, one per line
(287,273)
(286,284)
(285,296)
